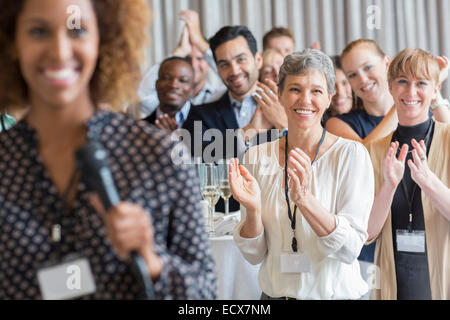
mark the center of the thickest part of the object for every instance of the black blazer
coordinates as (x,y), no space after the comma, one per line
(151,118)
(217,115)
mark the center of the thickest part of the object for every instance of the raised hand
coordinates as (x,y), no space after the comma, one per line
(267,99)
(244,187)
(259,120)
(393,168)
(184,47)
(299,172)
(420,172)
(316,45)
(444,67)
(195,32)
(166,122)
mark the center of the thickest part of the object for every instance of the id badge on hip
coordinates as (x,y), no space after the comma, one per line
(413,241)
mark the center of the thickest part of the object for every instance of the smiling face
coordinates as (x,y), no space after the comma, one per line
(342,100)
(412,98)
(366,71)
(57,62)
(305,98)
(238,67)
(175,85)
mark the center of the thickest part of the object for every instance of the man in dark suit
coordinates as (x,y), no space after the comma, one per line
(175,86)
(227,127)
(238,62)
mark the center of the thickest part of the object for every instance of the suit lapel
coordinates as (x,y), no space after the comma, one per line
(226,113)
(151,118)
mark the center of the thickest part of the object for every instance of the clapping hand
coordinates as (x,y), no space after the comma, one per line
(393,167)
(184,47)
(299,172)
(244,187)
(192,20)
(267,99)
(444,67)
(420,172)
(167,122)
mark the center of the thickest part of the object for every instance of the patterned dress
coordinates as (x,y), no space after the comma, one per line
(141,159)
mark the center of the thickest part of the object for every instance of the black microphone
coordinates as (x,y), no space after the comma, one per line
(91,159)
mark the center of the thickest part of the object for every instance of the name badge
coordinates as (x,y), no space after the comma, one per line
(69,279)
(411,241)
(295,262)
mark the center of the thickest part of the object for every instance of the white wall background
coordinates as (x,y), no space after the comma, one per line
(402,23)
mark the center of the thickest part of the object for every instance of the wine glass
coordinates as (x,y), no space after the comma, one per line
(209,184)
(224,182)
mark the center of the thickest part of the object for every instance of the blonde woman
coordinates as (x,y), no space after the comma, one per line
(410,219)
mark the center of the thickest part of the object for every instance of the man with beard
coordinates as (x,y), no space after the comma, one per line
(238,62)
(175,86)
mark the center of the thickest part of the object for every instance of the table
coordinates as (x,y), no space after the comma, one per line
(237,279)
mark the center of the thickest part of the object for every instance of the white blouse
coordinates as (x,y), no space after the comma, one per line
(343,182)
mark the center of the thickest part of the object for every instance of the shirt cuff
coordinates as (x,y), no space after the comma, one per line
(336,239)
(253,249)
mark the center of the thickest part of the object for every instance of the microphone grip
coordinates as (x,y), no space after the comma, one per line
(91,158)
(140,270)
(107,190)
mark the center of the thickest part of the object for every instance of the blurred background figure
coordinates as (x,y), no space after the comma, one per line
(207,85)
(175,86)
(272,61)
(342,101)
(280,39)
(267,91)
(365,66)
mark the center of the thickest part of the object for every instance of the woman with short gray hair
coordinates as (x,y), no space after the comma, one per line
(305,198)
(300,62)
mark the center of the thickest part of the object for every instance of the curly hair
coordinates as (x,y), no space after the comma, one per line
(123,37)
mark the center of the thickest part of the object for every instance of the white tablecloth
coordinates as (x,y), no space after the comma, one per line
(237,279)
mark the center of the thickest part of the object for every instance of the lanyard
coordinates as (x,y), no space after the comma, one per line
(410,200)
(56,233)
(293,217)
